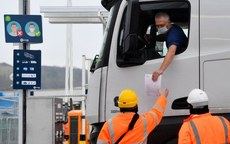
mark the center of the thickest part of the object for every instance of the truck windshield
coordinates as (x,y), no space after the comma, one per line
(108,32)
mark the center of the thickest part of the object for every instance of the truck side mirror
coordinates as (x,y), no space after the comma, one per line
(93,65)
(107,4)
(180,103)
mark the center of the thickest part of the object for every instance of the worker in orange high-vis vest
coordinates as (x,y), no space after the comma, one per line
(201,127)
(128,127)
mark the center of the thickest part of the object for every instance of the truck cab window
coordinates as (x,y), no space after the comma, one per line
(103,58)
(154,40)
(161,47)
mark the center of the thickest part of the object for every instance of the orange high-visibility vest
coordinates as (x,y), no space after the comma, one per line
(118,125)
(205,129)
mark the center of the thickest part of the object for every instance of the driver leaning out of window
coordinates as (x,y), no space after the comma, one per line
(176,41)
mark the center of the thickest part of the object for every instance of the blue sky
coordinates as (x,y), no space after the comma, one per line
(87,38)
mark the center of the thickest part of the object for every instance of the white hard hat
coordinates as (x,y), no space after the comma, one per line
(197,98)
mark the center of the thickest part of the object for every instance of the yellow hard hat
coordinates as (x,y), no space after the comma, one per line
(127,99)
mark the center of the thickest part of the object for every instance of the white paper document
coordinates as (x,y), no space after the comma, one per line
(151,87)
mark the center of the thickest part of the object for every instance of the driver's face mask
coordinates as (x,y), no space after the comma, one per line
(162,30)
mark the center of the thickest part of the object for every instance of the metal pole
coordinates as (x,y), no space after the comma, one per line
(24,115)
(20,120)
(83,134)
(69,57)
(20,101)
(24,8)
(70,44)
(67,67)
(83,79)
(88,64)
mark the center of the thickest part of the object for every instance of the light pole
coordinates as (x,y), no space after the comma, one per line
(69,57)
(24,9)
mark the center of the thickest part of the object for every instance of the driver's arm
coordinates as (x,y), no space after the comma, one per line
(167,61)
(168,58)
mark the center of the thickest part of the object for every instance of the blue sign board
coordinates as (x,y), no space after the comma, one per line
(23,28)
(27,69)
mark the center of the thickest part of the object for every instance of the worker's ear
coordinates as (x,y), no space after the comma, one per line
(115,100)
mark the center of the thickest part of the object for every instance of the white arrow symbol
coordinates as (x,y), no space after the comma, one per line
(36,87)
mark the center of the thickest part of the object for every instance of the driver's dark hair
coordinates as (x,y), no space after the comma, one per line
(133,109)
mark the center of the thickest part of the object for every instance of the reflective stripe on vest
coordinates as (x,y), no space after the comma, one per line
(225,129)
(159,107)
(145,128)
(155,118)
(197,137)
(111,131)
(101,142)
(195,131)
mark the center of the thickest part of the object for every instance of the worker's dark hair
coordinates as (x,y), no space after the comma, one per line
(133,109)
(201,110)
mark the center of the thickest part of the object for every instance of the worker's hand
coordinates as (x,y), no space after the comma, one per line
(163,92)
(156,74)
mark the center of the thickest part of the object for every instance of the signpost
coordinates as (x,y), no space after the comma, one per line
(23,28)
(27,69)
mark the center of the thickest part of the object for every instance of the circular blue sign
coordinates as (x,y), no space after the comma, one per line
(32,29)
(13,28)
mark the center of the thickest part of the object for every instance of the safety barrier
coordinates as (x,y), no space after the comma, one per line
(8,130)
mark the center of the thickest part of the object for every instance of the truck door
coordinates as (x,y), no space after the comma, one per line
(98,80)
(131,58)
(215,53)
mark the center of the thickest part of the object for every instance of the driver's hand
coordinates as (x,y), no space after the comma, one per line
(156,74)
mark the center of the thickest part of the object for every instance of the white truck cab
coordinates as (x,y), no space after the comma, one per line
(126,57)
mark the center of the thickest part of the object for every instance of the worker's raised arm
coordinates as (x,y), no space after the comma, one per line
(154,116)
